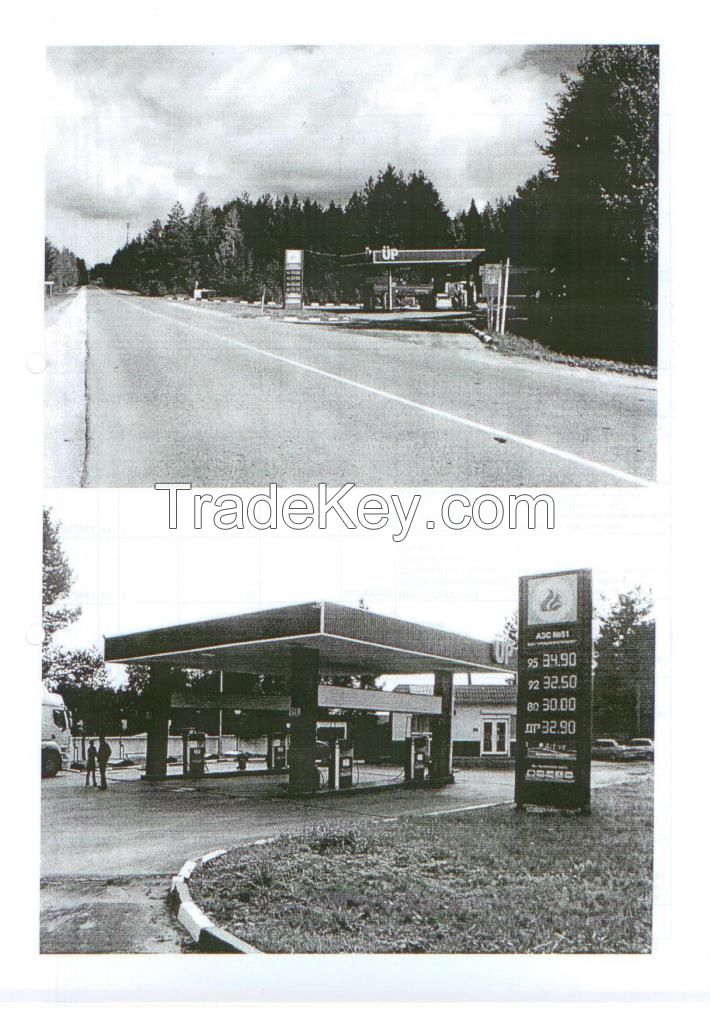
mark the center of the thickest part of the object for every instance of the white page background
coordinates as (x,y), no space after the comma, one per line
(679,965)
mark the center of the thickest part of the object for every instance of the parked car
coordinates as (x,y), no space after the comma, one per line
(612,750)
(644,746)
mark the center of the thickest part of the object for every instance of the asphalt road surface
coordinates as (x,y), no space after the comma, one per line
(177,391)
(107,857)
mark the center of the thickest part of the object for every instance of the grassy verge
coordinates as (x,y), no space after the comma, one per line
(476,882)
(516,345)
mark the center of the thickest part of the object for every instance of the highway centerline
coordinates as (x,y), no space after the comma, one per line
(484,428)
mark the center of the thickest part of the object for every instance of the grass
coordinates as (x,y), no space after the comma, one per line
(515,345)
(476,882)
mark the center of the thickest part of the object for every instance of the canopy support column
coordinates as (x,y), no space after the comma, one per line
(156,759)
(305,674)
(442,730)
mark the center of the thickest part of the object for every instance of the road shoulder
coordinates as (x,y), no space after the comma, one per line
(65,393)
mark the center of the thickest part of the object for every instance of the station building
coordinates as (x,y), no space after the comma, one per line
(483,724)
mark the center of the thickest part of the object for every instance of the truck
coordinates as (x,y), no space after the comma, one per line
(56,735)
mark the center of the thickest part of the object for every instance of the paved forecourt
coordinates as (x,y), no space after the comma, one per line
(136,828)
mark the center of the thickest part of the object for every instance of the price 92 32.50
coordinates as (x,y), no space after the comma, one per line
(566,682)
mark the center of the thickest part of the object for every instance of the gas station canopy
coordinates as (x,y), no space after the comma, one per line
(389,256)
(347,640)
(306,643)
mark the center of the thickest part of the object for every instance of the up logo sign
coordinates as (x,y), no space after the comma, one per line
(503,651)
(389,254)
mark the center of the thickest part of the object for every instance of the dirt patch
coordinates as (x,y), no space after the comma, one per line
(120,915)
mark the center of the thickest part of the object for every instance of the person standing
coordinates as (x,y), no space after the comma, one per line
(104,754)
(91,763)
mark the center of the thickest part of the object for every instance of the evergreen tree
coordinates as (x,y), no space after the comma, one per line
(202,240)
(176,250)
(154,282)
(427,224)
(624,677)
(386,203)
(50,254)
(602,144)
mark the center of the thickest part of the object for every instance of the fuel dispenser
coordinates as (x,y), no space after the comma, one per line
(418,760)
(193,753)
(277,753)
(340,765)
(346,760)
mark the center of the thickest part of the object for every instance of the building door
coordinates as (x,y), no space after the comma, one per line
(496,736)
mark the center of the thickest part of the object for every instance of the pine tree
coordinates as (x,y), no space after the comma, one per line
(202,240)
(176,250)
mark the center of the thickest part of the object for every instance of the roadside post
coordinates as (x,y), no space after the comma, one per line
(498,306)
(219,738)
(554,721)
(505,296)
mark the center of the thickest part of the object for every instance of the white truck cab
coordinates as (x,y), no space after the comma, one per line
(56,735)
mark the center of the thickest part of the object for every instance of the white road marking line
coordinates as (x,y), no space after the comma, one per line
(469,807)
(484,428)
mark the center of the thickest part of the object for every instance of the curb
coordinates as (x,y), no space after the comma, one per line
(481,335)
(208,937)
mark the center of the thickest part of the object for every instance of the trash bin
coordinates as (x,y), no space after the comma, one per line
(242,762)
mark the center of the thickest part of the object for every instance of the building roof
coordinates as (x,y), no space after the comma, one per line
(349,640)
(477,695)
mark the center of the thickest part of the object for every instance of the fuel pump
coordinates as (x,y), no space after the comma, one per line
(278,753)
(340,765)
(193,753)
(416,768)
(346,760)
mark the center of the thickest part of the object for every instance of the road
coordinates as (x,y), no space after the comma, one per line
(179,391)
(107,858)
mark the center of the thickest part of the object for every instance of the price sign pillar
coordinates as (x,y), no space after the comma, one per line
(293,279)
(554,722)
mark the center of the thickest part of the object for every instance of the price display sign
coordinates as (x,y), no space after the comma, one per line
(554,723)
(293,279)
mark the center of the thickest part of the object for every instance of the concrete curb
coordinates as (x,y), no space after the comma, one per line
(207,936)
(481,335)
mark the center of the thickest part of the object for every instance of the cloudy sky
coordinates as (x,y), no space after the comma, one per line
(132,129)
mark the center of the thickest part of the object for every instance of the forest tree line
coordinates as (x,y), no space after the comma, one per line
(63,267)
(587,219)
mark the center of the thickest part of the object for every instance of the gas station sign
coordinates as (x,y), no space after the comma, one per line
(554,715)
(391,256)
(293,279)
